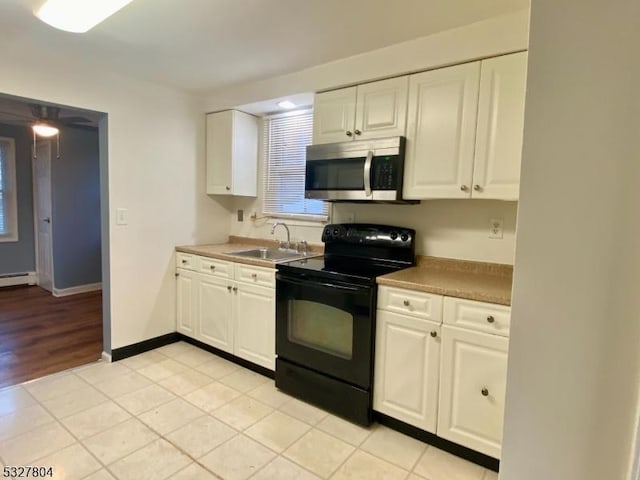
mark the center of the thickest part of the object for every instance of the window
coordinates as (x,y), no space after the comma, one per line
(8,201)
(285,139)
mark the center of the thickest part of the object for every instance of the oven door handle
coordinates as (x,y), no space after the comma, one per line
(367,173)
(319,283)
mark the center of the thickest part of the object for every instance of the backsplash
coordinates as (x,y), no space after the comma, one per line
(445,228)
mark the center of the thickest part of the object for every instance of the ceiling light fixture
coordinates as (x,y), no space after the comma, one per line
(78,16)
(286,104)
(44,130)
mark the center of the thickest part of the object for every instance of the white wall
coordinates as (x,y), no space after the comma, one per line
(454,229)
(574,361)
(156,155)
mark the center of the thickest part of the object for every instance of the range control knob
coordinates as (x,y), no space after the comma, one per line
(394,235)
(336,232)
(404,236)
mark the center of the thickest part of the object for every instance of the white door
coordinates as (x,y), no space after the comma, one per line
(215,321)
(255,324)
(472,389)
(500,127)
(334,115)
(42,187)
(185,301)
(407,368)
(381,108)
(441,130)
(219,152)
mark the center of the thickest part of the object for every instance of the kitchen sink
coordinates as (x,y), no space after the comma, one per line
(269,254)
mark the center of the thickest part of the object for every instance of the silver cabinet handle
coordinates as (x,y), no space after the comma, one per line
(228,188)
(367,173)
(254,276)
(490,319)
(357,132)
(235,289)
(484,392)
(212,267)
(476,187)
(184,262)
(434,334)
(406,303)
(229,287)
(177,274)
(464,188)
(349,133)
(46,220)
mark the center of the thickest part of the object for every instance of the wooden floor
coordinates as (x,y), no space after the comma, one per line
(42,334)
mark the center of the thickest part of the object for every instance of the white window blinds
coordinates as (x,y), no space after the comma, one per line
(285,140)
(8,203)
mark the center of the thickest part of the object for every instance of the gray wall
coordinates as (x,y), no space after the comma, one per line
(75,180)
(16,257)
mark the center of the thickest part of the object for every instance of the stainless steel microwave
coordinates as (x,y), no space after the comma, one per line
(359,170)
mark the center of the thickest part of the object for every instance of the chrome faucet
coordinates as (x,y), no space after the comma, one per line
(288,244)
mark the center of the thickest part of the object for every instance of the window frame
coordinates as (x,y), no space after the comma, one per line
(9,190)
(300,218)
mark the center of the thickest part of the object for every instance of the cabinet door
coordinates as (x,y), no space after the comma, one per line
(185,301)
(215,321)
(219,152)
(500,126)
(255,324)
(472,389)
(334,115)
(381,108)
(407,364)
(441,128)
(244,160)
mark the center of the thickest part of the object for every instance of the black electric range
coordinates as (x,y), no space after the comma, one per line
(325,316)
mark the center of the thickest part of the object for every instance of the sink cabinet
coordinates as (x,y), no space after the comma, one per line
(227,305)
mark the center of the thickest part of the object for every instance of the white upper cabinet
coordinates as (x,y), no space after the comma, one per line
(333,115)
(371,110)
(232,153)
(464,130)
(500,126)
(441,130)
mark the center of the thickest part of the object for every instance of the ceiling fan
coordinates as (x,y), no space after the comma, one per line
(45,120)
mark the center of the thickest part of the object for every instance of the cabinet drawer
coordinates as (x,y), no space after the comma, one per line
(410,302)
(219,268)
(480,316)
(255,275)
(185,260)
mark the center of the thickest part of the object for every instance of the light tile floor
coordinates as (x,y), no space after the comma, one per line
(181,413)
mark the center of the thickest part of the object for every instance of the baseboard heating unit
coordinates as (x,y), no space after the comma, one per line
(24,278)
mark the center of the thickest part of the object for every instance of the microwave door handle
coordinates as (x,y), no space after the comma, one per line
(367,173)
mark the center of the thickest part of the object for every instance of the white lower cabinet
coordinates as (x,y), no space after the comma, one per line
(215,312)
(407,367)
(234,316)
(445,379)
(472,389)
(255,326)
(185,294)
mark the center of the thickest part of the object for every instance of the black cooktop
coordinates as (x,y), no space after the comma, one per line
(358,253)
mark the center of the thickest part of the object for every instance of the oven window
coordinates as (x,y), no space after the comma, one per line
(345,174)
(321,327)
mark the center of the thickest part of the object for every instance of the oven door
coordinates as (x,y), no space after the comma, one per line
(326,326)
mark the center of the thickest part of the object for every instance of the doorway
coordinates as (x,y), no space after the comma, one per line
(63,320)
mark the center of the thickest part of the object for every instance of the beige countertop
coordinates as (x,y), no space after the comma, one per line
(486,282)
(224,251)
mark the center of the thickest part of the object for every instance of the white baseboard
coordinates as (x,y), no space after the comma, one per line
(89,287)
(25,278)
(106,357)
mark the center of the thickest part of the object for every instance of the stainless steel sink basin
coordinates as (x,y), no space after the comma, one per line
(273,254)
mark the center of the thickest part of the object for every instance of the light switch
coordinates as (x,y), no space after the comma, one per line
(121,216)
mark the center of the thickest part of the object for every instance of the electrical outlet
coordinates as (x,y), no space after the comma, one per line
(240,215)
(495,228)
